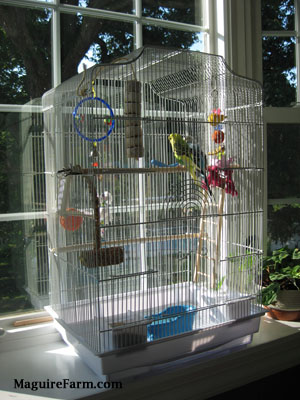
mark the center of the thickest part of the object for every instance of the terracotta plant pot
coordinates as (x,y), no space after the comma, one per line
(287,306)
(283,315)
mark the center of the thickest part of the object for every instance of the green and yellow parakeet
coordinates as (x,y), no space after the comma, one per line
(190,156)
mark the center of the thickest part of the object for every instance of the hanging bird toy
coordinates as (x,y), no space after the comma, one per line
(218,136)
(85,123)
(216,117)
(71,222)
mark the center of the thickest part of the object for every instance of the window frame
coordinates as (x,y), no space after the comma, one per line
(282,115)
(219,38)
(276,115)
(271,114)
(208,7)
(295,33)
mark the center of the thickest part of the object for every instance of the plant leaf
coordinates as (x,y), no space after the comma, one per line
(287,270)
(277,276)
(284,255)
(296,272)
(296,254)
(278,251)
(269,293)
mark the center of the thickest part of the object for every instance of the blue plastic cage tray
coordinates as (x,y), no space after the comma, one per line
(171,321)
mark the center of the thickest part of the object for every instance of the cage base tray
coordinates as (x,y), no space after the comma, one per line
(141,359)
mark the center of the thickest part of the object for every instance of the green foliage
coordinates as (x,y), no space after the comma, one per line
(280,271)
(269,294)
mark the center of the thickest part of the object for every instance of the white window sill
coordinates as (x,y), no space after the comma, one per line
(38,354)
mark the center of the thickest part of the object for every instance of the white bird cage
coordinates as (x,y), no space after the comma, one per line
(146,264)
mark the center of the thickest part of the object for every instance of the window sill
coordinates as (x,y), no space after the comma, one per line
(38,354)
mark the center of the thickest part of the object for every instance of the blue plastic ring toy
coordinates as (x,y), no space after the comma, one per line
(75,115)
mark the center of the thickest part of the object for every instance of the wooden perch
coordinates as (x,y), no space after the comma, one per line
(32,321)
(76,247)
(107,171)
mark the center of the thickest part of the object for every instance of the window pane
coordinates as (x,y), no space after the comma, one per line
(21,163)
(154,35)
(173,10)
(23,266)
(278,15)
(283,226)
(25,53)
(92,40)
(279,71)
(124,6)
(283,160)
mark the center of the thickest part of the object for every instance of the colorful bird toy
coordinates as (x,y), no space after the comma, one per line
(216,117)
(219,152)
(218,136)
(108,121)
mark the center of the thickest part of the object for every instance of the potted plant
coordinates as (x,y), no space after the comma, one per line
(281,284)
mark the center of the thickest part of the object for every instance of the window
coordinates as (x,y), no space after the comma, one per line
(52,41)
(279,52)
(283,202)
(281,62)
(284,184)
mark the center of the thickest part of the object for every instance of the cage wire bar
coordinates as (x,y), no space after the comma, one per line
(143,251)
(33,193)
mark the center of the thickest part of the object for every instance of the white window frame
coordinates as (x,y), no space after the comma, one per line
(233,56)
(277,115)
(243,53)
(282,115)
(233,29)
(206,11)
(240,57)
(296,34)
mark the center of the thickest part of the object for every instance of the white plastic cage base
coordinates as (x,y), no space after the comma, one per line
(147,358)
